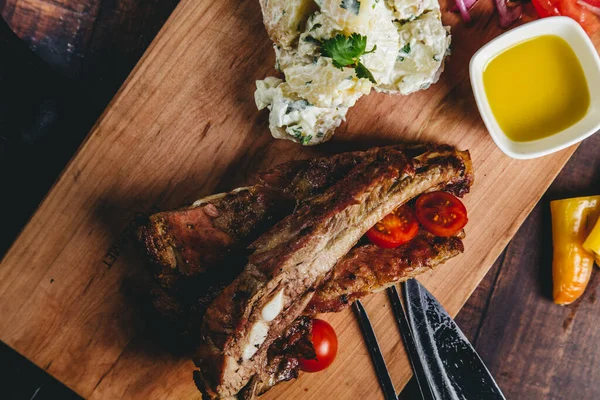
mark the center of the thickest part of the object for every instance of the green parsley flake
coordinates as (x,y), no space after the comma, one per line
(404,51)
(363,72)
(345,51)
(351,5)
(310,39)
(306,139)
(409,19)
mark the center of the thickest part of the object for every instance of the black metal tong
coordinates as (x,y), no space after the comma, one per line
(445,364)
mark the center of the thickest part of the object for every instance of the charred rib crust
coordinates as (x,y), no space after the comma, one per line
(369,269)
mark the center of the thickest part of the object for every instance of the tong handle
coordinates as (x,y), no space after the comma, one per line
(409,344)
(383,375)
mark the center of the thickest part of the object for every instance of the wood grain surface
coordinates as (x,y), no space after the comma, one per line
(183,126)
(49,103)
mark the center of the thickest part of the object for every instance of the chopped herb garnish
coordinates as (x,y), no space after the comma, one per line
(363,72)
(316,26)
(297,106)
(404,51)
(306,139)
(375,3)
(409,19)
(310,39)
(351,5)
(308,83)
(345,51)
(436,58)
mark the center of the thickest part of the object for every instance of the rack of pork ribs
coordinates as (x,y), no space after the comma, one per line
(244,271)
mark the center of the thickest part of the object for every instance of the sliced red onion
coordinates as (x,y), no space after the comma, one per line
(462,7)
(595,10)
(468,5)
(507,14)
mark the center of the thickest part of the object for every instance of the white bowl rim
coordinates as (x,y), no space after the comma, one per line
(578,40)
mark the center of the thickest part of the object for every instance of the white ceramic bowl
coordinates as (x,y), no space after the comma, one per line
(581,44)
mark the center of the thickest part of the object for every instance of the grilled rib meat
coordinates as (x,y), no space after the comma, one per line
(283,358)
(196,239)
(365,270)
(288,261)
(293,258)
(187,245)
(187,248)
(368,269)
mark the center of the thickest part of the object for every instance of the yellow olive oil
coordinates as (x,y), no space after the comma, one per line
(536,88)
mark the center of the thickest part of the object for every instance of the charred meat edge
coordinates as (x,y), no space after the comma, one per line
(369,269)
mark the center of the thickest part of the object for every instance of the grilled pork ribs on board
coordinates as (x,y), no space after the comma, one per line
(243,270)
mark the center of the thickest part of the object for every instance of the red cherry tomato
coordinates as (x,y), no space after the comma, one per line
(394,229)
(441,213)
(545,8)
(569,8)
(325,343)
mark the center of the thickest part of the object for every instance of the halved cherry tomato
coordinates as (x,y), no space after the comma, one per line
(325,343)
(441,213)
(569,8)
(581,14)
(394,229)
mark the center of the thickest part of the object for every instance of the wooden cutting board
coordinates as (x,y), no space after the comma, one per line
(184,125)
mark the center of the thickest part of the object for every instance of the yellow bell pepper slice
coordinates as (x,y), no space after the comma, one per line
(592,243)
(571,264)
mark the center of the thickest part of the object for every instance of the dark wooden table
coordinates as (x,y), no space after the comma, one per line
(82,51)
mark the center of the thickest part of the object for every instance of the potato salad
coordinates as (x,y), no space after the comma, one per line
(331,52)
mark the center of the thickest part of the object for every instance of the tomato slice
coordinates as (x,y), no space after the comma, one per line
(394,229)
(569,8)
(581,14)
(441,213)
(545,8)
(325,343)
